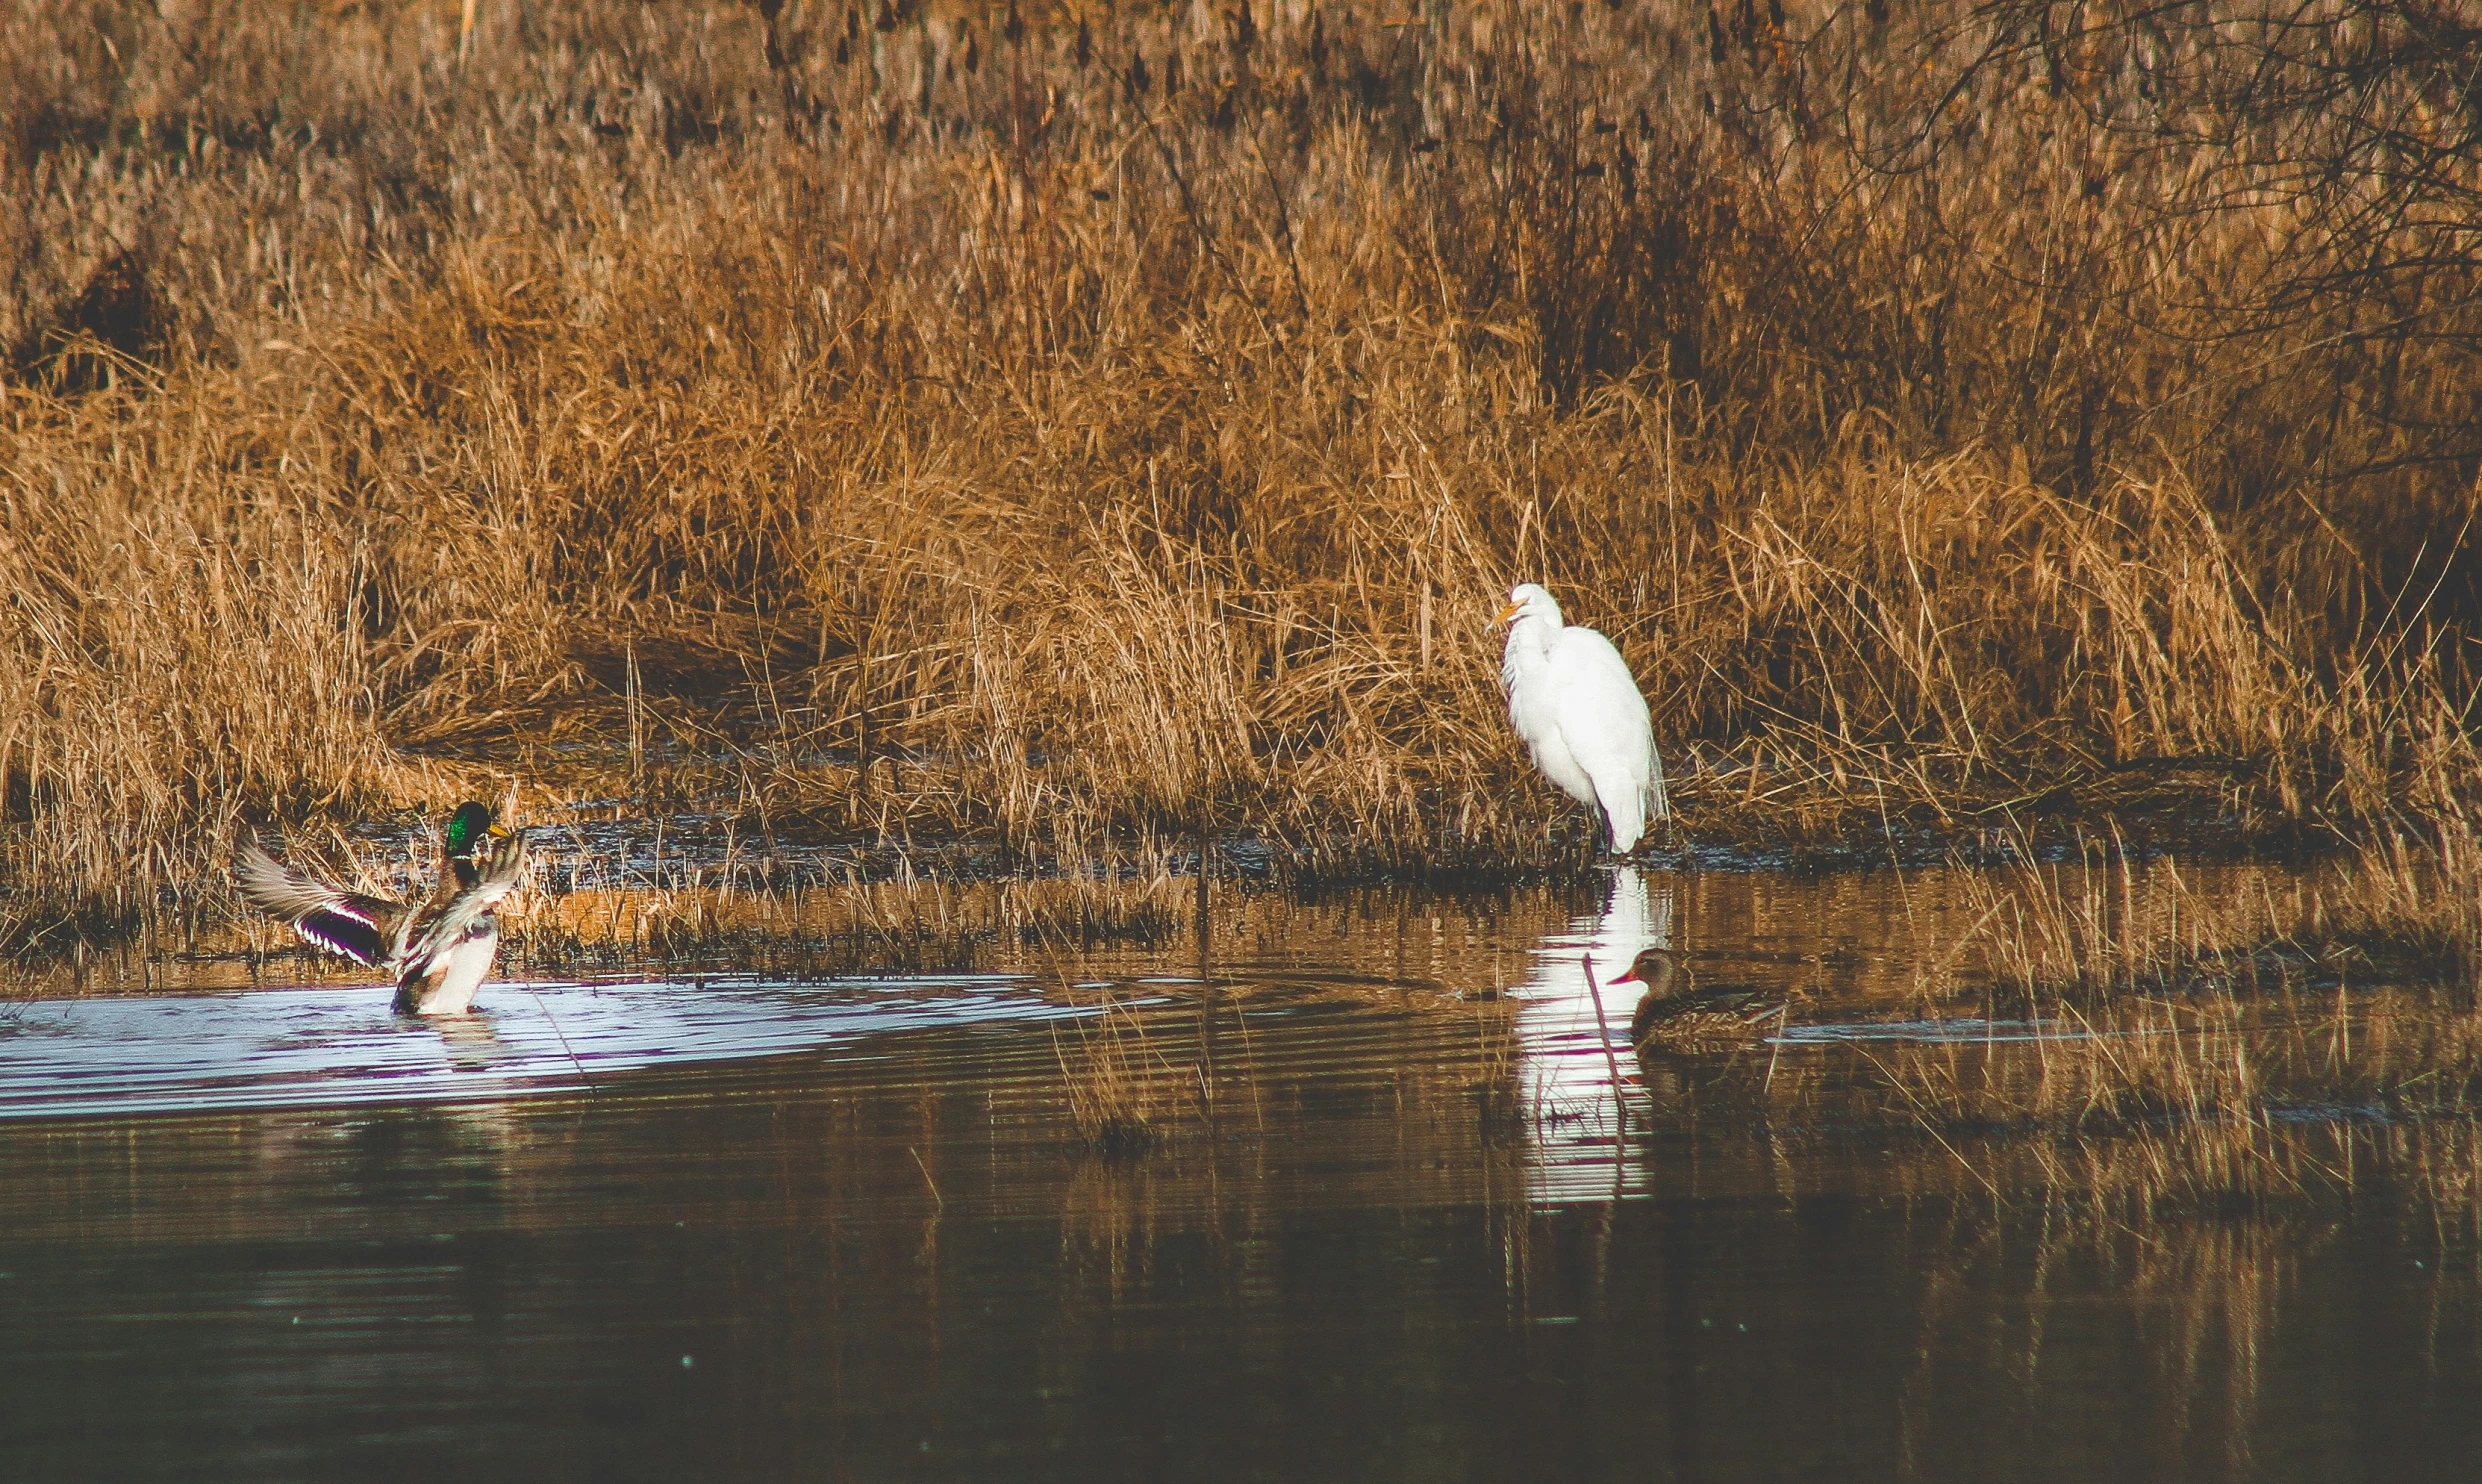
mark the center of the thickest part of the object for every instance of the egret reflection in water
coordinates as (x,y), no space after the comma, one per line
(1568,1051)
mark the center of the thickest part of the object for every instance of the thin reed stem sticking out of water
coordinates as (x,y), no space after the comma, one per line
(566,1049)
(1611,1060)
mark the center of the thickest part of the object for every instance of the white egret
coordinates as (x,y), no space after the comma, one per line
(1572,699)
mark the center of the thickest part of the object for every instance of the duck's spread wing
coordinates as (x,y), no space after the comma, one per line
(341,922)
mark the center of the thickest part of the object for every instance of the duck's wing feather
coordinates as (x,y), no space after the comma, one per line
(446,924)
(342,922)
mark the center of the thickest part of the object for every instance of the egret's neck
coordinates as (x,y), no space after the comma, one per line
(1535,630)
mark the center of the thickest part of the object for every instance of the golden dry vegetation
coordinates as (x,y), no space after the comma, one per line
(1047,425)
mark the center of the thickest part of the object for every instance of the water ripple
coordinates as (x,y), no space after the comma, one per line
(274,1048)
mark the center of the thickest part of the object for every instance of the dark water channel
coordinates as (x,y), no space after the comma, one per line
(1387,1227)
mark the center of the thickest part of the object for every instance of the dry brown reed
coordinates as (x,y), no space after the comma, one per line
(1067,426)
(2119,996)
(2412,907)
(720,916)
(1123,1089)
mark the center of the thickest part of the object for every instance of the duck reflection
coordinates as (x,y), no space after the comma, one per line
(471,1042)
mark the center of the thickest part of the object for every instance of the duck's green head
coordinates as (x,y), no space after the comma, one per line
(467,827)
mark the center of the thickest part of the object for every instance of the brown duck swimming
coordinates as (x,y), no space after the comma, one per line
(1675,1010)
(439,950)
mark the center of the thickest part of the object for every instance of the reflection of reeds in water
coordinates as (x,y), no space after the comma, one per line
(2194,1237)
(588,916)
(2142,999)
(1106,1218)
(2202,1281)
(1124,1091)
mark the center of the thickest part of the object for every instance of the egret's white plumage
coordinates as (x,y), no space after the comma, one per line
(1572,699)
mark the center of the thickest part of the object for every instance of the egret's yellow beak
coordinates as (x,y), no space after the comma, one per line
(1509,612)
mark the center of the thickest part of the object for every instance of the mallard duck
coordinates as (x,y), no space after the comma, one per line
(1674,1010)
(439,950)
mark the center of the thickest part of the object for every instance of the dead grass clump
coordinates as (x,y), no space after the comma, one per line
(1127,425)
(178,660)
(2127,999)
(2056,938)
(1083,910)
(2411,908)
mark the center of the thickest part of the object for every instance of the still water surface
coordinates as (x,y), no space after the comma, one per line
(1394,1228)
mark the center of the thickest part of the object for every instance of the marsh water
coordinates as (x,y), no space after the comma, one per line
(1364,1204)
